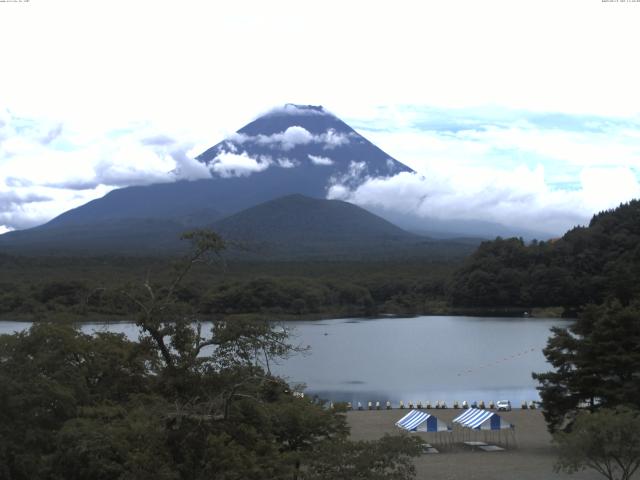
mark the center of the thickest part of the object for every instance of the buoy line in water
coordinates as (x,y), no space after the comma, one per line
(495,363)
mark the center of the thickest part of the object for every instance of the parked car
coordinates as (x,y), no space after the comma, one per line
(504,405)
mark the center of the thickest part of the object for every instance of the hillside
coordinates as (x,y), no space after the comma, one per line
(288,228)
(299,225)
(145,236)
(587,265)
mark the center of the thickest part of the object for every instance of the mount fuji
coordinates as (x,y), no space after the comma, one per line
(295,149)
(291,150)
(301,150)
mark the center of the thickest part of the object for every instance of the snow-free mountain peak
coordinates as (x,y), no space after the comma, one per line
(302,137)
(293,149)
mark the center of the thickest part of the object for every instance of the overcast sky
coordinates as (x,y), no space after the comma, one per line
(523,112)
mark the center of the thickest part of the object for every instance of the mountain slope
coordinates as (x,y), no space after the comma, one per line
(296,217)
(306,138)
(293,227)
(295,149)
(114,236)
(296,227)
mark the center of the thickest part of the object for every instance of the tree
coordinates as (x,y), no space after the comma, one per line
(179,403)
(607,441)
(51,375)
(300,425)
(596,361)
(164,319)
(389,458)
(587,265)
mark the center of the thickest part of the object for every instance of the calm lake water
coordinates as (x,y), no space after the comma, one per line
(410,359)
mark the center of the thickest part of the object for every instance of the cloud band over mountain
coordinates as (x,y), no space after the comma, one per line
(293,136)
(519,198)
(512,167)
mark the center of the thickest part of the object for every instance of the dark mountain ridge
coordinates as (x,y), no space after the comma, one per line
(296,216)
(290,227)
(299,225)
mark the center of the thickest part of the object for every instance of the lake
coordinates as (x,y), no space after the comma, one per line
(410,359)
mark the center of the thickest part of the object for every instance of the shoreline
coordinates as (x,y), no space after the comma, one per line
(542,314)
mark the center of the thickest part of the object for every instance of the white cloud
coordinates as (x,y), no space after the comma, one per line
(229,164)
(473,168)
(187,168)
(230,146)
(286,140)
(5,229)
(47,168)
(157,84)
(291,138)
(518,197)
(42,203)
(234,138)
(319,160)
(130,163)
(605,188)
(332,139)
(505,139)
(287,162)
(354,176)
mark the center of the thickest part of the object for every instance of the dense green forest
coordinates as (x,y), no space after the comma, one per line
(587,265)
(79,406)
(590,395)
(73,287)
(76,406)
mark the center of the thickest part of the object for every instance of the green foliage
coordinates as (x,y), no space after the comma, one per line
(587,265)
(290,296)
(180,403)
(92,288)
(49,375)
(387,459)
(596,362)
(107,441)
(607,441)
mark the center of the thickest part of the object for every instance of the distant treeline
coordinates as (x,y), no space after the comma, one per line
(50,288)
(586,266)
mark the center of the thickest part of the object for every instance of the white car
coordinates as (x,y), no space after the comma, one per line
(504,405)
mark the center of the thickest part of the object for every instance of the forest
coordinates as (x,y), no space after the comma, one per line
(588,265)
(53,288)
(101,406)
(77,406)
(502,277)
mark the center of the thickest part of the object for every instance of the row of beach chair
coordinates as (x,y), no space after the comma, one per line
(437,405)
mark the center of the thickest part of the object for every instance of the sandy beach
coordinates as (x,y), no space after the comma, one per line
(532,458)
